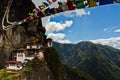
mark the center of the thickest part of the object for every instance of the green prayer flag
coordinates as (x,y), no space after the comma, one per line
(79,3)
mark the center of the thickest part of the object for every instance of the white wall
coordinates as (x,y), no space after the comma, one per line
(13,67)
(49,44)
(21,57)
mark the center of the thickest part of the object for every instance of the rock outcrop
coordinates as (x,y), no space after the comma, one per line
(17,36)
(14,37)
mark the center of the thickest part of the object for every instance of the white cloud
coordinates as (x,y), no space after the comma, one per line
(81,12)
(112,29)
(106,29)
(57,26)
(68,13)
(74,13)
(58,37)
(69,31)
(113,42)
(118,30)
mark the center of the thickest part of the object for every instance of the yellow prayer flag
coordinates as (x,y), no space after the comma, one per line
(91,3)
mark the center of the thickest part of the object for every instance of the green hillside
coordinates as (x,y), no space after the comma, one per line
(40,69)
(101,62)
(60,71)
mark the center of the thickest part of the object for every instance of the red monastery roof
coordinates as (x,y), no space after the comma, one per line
(13,62)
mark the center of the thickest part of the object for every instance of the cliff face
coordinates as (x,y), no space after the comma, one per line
(19,9)
(17,36)
(51,67)
(36,70)
(12,38)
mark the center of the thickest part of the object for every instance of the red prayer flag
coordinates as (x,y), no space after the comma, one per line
(70,5)
(54,0)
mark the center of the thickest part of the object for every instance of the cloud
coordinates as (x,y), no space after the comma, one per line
(81,12)
(118,30)
(57,26)
(69,31)
(106,29)
(113,42)
(111,29)
(73,13)
(58,37)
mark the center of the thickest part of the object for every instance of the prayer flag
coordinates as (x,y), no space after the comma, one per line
(118,1)
(43,6)
(49,1)
(103,2)
(70,5)
(54,0)
(63,6)
(91,3)
(79,3)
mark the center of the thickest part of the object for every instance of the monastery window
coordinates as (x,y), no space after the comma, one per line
(34,46)
(49,44)
(28,47)
(40,53)
(39,46)
(12,64)
(18,66)
(20,55)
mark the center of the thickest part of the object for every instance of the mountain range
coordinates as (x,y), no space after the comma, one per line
(50,68)
(101,62)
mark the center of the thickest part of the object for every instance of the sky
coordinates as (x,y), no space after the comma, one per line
(99,24)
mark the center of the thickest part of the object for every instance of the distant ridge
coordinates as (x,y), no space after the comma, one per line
(101,62)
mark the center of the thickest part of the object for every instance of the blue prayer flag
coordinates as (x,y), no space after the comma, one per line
(103,2)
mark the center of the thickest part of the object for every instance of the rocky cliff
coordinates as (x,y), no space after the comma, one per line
(14,37)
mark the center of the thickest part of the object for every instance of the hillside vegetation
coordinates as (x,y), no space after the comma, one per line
(101,62)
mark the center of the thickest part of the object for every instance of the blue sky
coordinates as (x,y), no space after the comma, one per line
(98,24)
(93,26)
